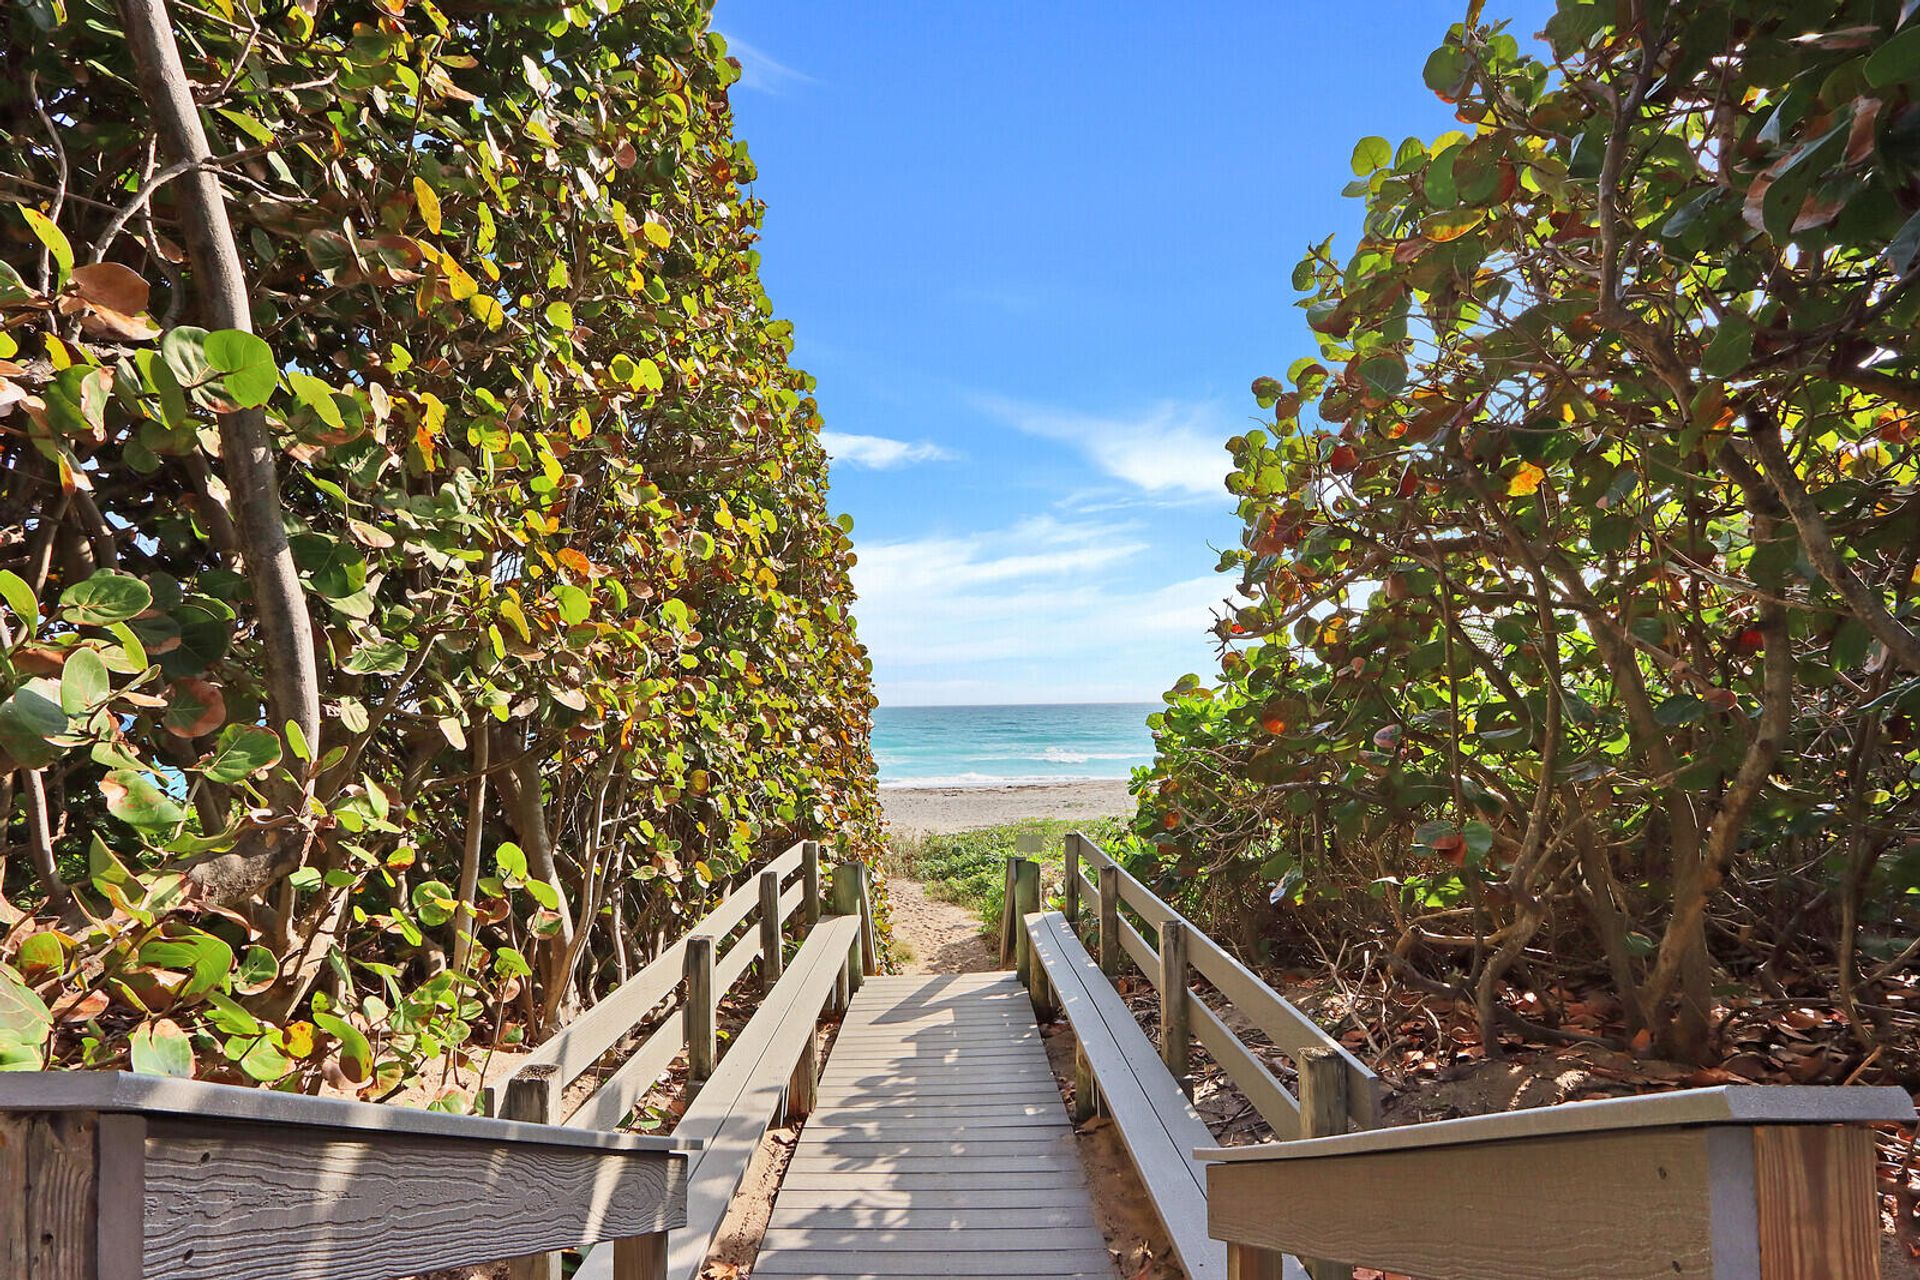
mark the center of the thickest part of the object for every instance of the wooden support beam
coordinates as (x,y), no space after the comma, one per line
(846,896)
(772,941)
(1110,953)
(1025,901)
(1244,1262)
(1323,1113)
(641,1257)
(869,939)
(532,1095)
(1176,1021)
(1086,1094)
(803,1091)
(810,880)
(1070,890)
(702,1043)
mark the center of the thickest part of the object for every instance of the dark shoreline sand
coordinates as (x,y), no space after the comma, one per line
(935,810)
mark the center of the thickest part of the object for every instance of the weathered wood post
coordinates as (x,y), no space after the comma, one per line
(1110,952)
(844,899)
(803,1090)
(1026,901)
(532,1094)
(810,880)
(1070,856)
(869,939)
(702,1044)
(772,958)
(1176,1020)
(640,1257)
(1007,929)
(1323,1113)
(1086,1094)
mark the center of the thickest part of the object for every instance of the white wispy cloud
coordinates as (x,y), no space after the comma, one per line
(1166,447)
(1043,610)
(879,452)
(761,72)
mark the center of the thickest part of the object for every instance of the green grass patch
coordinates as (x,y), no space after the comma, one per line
(970,867)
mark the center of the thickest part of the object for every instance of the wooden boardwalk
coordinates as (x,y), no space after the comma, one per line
(939,1146)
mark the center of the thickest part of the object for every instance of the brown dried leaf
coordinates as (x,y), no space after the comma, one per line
(111,286)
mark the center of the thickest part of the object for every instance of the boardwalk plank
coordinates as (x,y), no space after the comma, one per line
(938,1146)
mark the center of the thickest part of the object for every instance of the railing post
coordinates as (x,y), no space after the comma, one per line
(1070,856)
(1086,1094)
(1323,1113)
(641,1257)
(771,956)
(1007,923)
(530,1095)
(845,900)
(701,1043)
(869,941)
(1026,901)
(803,1090)
(1110,952)
(810,880)
(1176,1024)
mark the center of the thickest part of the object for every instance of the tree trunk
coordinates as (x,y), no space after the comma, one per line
(286,648)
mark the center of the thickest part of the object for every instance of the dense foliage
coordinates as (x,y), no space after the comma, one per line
(516,627)
(1579,563)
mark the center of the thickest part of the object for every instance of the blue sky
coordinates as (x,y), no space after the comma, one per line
(1034,253)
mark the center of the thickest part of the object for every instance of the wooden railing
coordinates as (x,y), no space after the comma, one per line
(1739,1183)
(1342,1089)
(681,988)
(110,1176)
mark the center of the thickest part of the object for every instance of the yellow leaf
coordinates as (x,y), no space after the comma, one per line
(429,204)
(488,309)
(461,285)
(657,235)
(1525,480)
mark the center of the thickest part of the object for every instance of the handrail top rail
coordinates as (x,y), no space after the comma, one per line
(1756,1104)
(126,1092)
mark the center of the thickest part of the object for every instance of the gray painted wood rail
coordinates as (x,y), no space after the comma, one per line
(1734,1183)
(109,1176)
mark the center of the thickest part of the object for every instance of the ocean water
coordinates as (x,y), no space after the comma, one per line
(986,746)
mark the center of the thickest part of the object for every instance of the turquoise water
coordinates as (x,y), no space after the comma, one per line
(979,746)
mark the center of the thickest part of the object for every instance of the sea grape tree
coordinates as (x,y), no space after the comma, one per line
(1582,552)
(419,592)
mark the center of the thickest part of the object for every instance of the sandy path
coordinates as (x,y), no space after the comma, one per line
(935,936)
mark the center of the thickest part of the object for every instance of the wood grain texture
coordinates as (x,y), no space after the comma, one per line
(531,1094)
(1109,919)
(810,880)
(14,1129)
(939,1145)
(1818,1210)
(772,939)
(1487,1212)
(244,1202)
(62,1196)
(641,1257)
(1176,1024)
(701,996)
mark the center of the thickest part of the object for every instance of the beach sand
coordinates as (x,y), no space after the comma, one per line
(936,810)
